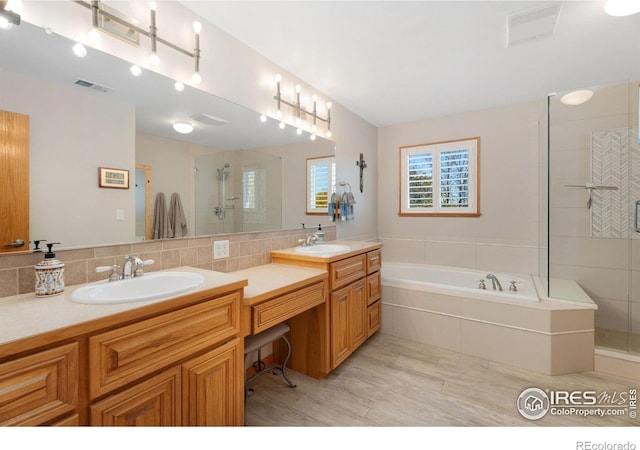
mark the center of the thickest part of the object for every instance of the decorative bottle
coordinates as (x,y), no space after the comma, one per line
(49,274)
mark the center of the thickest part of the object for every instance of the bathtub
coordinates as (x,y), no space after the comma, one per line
(450,280)
(443,307)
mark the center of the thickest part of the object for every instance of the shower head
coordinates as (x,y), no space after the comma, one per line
(223,174)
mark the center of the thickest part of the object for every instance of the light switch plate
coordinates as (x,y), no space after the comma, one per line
(119,214)
(220,249)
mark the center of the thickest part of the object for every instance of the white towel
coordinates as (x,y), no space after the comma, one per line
(176,218)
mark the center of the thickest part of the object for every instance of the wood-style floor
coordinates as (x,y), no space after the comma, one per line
(394,382)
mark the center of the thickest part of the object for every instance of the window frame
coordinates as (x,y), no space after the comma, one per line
(436,148)
(329,161)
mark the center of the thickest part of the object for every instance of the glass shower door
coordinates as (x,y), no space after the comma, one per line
(594,181)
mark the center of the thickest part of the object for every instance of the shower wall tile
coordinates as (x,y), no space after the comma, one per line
(510,259)
(571,222)
(591,252)
(612,314)
(596,282)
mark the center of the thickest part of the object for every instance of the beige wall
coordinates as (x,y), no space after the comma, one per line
(74,129)
(505,237)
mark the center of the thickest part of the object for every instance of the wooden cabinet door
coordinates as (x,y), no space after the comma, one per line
(213,387)
(14,188)
(358,314)
(374,314)
(154,402)
(340,336)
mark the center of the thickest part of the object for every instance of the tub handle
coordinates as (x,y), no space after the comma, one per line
(481,284)
(512,285)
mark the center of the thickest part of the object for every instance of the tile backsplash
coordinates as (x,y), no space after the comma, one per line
(245,250)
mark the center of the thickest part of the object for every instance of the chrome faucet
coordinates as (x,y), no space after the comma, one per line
(133,267)
(494,281)
(309,240)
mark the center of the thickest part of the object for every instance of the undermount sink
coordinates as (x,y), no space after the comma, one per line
(147,287)
(324,249)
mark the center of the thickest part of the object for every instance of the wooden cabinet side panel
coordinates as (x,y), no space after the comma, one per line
(213,389)
(40,387)
(122,355)
(154,402)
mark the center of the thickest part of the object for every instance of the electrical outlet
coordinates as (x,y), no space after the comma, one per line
(119,214)
(220,249)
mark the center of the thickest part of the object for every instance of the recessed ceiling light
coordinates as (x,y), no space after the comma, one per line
(136,71)
(79,50)
(183,127)
(179,86)
(577,97)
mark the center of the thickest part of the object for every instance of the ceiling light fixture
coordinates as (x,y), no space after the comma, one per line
(621,8)
(183,127)
(179,86)
(136,71)
(79,50)
(576,97)
(101,15)
(301,112)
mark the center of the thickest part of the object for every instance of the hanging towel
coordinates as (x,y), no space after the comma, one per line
(160,222)
(176,218)
(332,207)
(343,208)
(350,202)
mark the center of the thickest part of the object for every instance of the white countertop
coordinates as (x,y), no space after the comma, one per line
(26,315)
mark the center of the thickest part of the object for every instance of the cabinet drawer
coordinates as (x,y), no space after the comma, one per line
(374,261)
(374,292)
(272,312)
(38,388)
(125,354)
(347,271)
(374,318)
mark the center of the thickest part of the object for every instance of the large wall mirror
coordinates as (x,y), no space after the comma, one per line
(233,173)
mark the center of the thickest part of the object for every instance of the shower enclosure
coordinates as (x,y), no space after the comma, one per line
(593,200)
(237,191)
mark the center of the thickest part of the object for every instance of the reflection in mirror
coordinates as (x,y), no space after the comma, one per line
(112,119)
(321,180)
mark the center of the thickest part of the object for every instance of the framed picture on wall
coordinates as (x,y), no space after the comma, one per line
(113,178)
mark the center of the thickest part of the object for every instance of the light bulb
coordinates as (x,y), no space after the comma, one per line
(79,50)
(312,137)
(179,86)
(154,59)
(621,8)
(282,125)
(183,127)
(328,133)
(314,97)
(197,27)
(278,78)
(136,71)
(329,105)
(298,88)
(299,131)
(263,118)
(196,78)
(94,35)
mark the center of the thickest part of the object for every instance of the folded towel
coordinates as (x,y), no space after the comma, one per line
(176,218)
(160,222)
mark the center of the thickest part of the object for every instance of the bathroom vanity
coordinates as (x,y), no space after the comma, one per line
(155,362)
(354,306)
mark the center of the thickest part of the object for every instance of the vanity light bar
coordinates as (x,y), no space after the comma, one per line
(97,9)
(300,112)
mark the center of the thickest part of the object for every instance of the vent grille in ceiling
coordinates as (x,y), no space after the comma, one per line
(94,86)
(533,23)
(208,119)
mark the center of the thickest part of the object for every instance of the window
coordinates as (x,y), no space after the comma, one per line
(321,176)
(440,179)
(249,189)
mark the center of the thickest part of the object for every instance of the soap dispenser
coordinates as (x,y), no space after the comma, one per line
(319,235)
(49,274)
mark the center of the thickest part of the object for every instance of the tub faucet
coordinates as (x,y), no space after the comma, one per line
(494,281)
